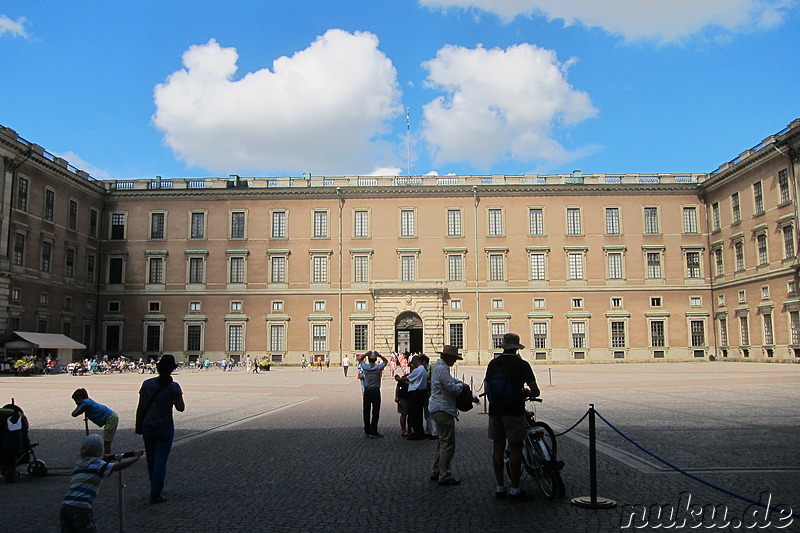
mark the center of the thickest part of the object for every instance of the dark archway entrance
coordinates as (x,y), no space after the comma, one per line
(408,333)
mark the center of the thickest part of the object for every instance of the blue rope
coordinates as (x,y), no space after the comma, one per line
(573,425)
(684,472)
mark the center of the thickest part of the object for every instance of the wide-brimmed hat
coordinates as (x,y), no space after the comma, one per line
(511,341)
(450,350)
(166,363)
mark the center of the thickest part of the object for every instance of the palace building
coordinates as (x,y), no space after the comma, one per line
(584,267)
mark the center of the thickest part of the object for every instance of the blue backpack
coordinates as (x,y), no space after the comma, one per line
(499,390)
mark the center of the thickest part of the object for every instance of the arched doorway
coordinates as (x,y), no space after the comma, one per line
(408,332)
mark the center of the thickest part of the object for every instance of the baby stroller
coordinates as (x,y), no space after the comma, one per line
(15,446)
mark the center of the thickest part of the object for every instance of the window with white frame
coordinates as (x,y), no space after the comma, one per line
(153,338)
(654,265)
(540,335)
(361,268)
(718,261)
(574,221)
(738,252)
(236,306)
(721,300)
(361,305)
(612,221)
(116,270)
(538,263)
(736,209)
(117,226)
(769,338)
(360,223)
(497,267)
(695,301)
(278,225)
(761,245)
(235,337)
(723,330)
(497,303)
(319,269)
(698,332)
(744,330)
(614,265)
(575,262)
(742,296)
(651,220)
(194,337)
(455,304)
(788,241)
(319,337)
(49,204)
(196,269)
(18,254)
(194,307)
(407,226)
(277,269)
(655,301)
(454,223)
(578,334)
(320,224)
(408,267)
(536,220)
(539,303)
(794,326)
(277,337)
(197,229)
(495,222)
(360,337)
(457,334)
(658,337)
(715,219)
(237,224)
(72,216)
(155,270)
(577,303)
(319,306)
(693,265)
(758,198)
(157,225)
(618,334)
(455,267)
(690,219)
(616,302)
(22,194)
(236,270)
(498,330)
(784,194)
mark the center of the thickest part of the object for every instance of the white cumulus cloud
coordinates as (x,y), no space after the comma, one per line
(78,162)
(323,110)
(660,20)
(500,104)
(14,27)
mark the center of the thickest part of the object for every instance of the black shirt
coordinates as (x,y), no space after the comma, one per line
(519,373)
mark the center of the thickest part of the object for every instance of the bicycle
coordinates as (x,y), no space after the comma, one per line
(539,456)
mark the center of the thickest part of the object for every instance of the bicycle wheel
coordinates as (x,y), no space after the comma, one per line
(543,469)
(549,438)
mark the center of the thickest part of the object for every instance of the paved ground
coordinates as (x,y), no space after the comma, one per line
(284,451)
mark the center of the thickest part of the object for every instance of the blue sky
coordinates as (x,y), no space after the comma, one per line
(179,89)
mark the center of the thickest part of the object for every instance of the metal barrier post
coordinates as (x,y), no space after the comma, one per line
(121,503)
(593,501)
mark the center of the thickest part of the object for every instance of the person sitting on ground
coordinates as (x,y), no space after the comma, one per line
(99,414)
(76,514)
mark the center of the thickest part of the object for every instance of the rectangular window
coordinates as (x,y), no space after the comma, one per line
(157,225)
(761,242)
(540,335)
(153,338)
(654,265)
(196,269)
(616,302)
(768,334)
(612,220)
(495,222)
(698,331)
(320,224)
(47,253)
(574,221)
(455,304)
(118,225)
(90,265)
(407,268)
(237,225)
(657,337)
(618,334)
(457,335)
(651,220)
(113,337)
(278,269)
(723,331)
(498,330)
(407,223)
(69,263)
(93,217)
(277,305)
(360,268)
(690,220)
(736,210)
(235,338)
(496,267)
(794,326)
(361,223)
(361,305)
(237,270)
(454,222)
(693,265)
(319,337)
(193,338)
(576,266)
(22,194)
(578,334)
(614,265)
(276,338)
(788,242)
(18,257)
(536,216)
(320,265)
(319,306)
(156,270)
(738,250)
(455,268)
(279,224)
(715,216)
(198,230)
(115,267)
(758,198)
(718,261)
(744,330)
(538,267)
(49,204)
(360,337)
(72,218)
(194,306)
(783,187)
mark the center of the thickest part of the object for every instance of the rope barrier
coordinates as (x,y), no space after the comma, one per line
(573,425)
(680,470)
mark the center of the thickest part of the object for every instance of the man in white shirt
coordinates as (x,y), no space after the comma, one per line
(442,406)
(417,394)
(345,364)
(372,373)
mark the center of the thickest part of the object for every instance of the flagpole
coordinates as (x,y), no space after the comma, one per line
(408,141)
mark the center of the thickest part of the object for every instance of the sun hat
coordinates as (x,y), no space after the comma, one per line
(166,363)
(450,350)
(511,341)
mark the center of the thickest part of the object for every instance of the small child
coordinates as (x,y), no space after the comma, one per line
(98,413)
(76,514)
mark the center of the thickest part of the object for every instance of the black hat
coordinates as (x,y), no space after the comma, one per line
(511,341)
(166,363)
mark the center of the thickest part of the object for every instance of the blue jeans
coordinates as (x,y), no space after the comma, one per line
(157,445)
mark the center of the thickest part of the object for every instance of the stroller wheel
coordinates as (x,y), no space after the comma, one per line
(38,468)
